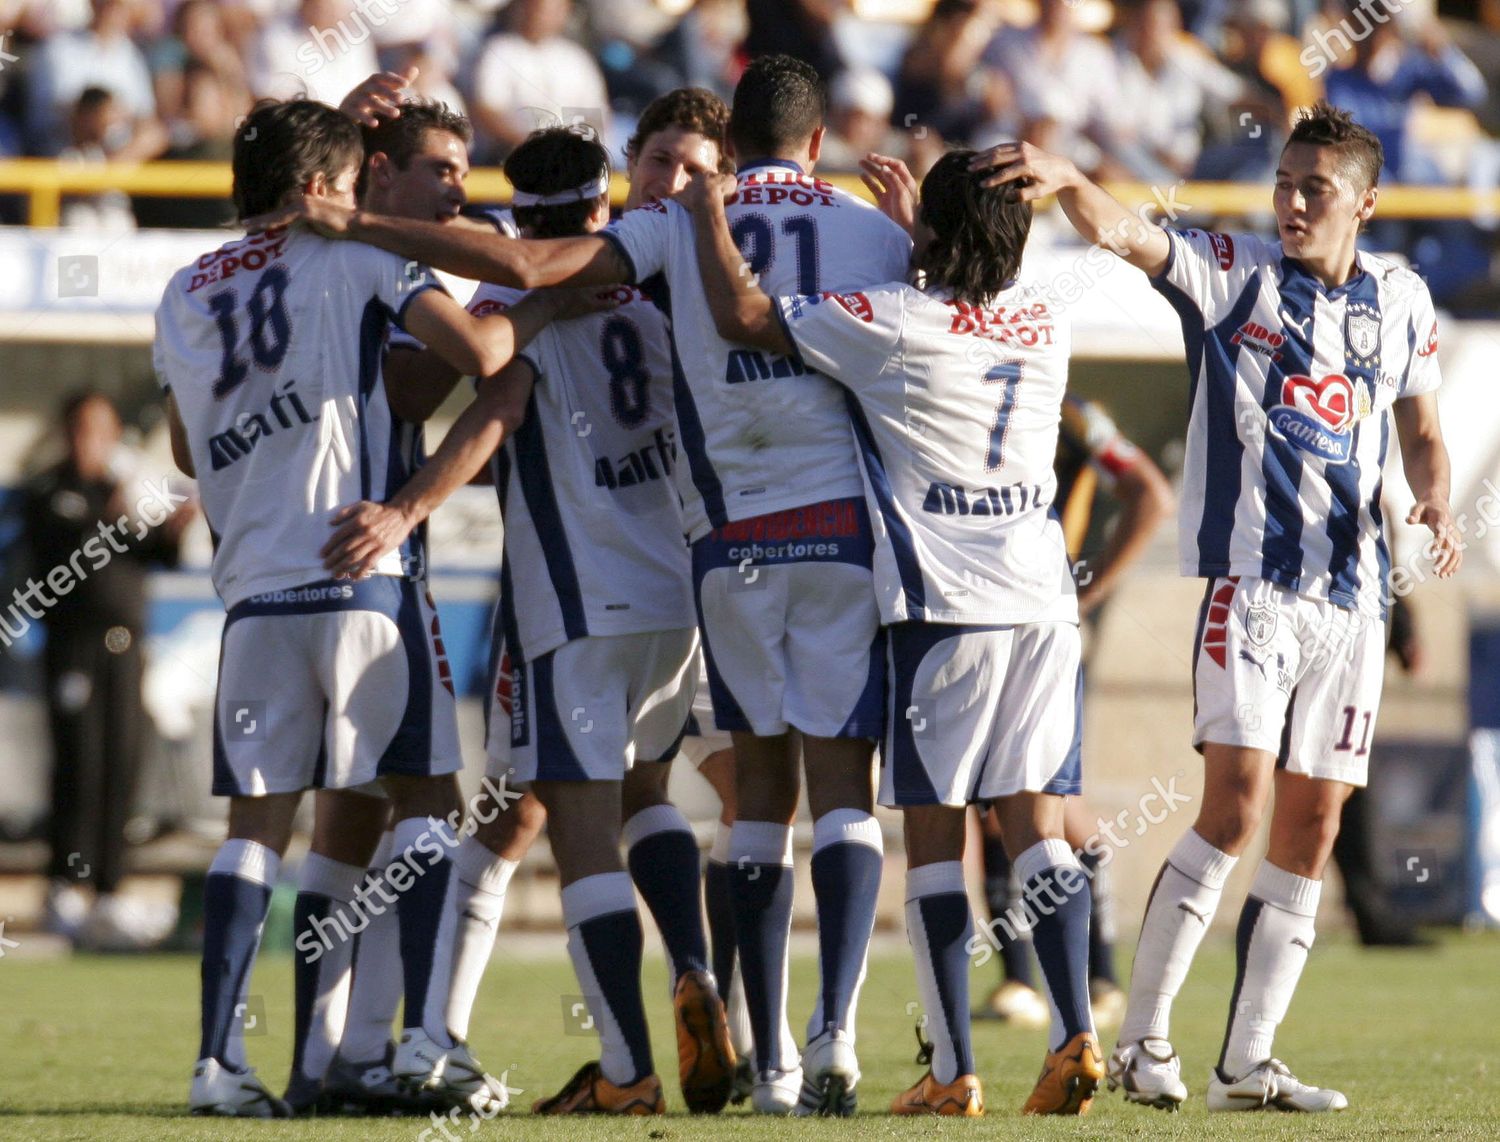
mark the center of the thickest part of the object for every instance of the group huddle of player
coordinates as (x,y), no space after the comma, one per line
(810,440)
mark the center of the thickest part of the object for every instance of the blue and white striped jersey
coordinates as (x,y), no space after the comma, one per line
(761,433)
(593,529)
(1291,390)
(272,347)
(956,409)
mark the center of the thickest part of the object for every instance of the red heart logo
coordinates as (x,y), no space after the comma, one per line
(1331,400)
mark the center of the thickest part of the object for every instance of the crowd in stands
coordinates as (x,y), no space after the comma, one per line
(1153,90)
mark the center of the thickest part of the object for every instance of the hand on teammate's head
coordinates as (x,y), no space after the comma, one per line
(893,186)
(378,97)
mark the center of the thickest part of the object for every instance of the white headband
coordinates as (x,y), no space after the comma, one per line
(582,193)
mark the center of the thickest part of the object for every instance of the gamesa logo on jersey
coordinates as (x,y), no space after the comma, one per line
(1316,415)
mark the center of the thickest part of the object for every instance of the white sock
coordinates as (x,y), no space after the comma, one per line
(737,1015)
(336,881)
(479,900)
(375,993)
(1274,939)
(1181,908)
(253,861)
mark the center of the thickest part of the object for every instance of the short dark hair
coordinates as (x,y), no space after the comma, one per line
(282,144)
(1358,149)
(402,137)
(693,109)
(778,103)
(552,160)
(978,233)
(93,97)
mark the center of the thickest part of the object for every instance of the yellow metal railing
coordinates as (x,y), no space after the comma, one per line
(46,182)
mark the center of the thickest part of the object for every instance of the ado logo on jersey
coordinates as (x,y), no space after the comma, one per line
(1316,416)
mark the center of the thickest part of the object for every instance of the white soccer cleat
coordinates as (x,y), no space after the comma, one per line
(1271,1086)
(418,1063)
(220,1092)
(484,1093)
(830,1072)
(775,1092)
(1150,1073)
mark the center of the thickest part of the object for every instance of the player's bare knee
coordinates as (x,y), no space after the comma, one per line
(512,831)
(423,796)
(265,820)
(840,774)
(645,786)
(1229,825)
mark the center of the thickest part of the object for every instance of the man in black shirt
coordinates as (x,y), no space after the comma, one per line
(90,550)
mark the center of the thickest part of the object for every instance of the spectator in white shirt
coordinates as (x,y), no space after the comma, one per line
(531,76)
(1167,81)
(102,55)
(322,52)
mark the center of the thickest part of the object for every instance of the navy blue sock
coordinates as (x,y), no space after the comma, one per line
(720,923)
(234,909)
(604,941)
(426,920)
(309,907)
(1061,938)
(663,860)
(846,865)
(939,925)
(762,884)
(1101,923)
(1014,949)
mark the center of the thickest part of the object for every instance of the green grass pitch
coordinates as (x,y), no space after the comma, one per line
(100,1049)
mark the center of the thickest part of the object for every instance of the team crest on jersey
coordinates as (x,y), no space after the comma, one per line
(1362,330)
(1317,416)
(1260,623)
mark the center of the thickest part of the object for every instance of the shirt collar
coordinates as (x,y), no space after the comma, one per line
(761,164)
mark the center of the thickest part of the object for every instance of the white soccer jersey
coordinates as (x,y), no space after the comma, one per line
(1292,384)
(593,531)
(272,347)
(761,433)
(956,413)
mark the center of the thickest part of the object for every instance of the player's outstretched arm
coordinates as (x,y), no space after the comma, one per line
(742,311)
(482,255)
(1424,457)
(480,346)
(365,531)
(1096,214)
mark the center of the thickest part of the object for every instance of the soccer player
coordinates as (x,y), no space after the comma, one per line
(269,351)
(781,544)
(957,389)
(1301,353)
(414,167)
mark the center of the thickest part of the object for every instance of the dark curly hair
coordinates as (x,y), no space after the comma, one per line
(1359,152)
(978,233)
(550,160)
(281,145)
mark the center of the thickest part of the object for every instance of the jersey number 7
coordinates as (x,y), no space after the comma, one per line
(1008,374)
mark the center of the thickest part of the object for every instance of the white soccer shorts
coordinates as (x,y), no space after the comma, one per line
(332,685)
(791,628)
(593,707)
(1294,676)
(981,712)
